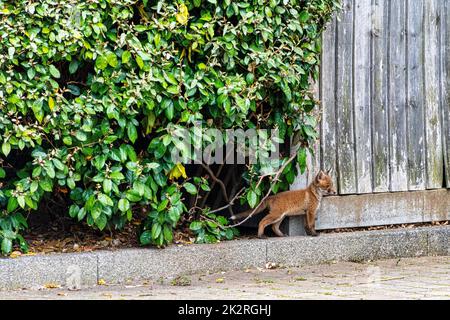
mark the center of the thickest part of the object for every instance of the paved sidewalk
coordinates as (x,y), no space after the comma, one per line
(406,278)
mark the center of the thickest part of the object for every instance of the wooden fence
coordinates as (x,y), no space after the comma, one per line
(385,92)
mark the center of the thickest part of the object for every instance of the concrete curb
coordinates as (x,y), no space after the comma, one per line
(152,264)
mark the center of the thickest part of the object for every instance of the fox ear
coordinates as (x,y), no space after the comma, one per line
(319,175)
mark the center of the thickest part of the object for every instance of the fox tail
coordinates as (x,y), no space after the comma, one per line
(245,214)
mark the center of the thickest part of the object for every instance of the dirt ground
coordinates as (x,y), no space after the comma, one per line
(411,278)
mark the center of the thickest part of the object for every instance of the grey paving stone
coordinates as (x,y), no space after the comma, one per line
(150,263)
(73,269)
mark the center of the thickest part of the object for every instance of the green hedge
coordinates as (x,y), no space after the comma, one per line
(89,91)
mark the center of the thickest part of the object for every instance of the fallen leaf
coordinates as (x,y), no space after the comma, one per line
(101,282)
(272,265)
(15,254)
(220,280)
(51,286)
(30,254)
(299,279)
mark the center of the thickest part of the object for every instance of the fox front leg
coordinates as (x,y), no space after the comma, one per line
(310,226)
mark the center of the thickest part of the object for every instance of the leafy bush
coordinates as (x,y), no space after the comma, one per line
(90,92)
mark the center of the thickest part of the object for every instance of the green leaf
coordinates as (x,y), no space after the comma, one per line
(31,73)
(81,214)
(190,188)
(112,59)
(21,201)
(101,221)
(53,71)
(156,230)
(2,173)
(304,16)
(81,136)
(146,237)
(132,132)
(117,175)
(162,205)
(73,66)
(107,185)
(58,164)
(124,205)
(133,196)
(173,90)
(96,212)
(139,187)
(34,186)
(6,148)
(252,198)
(6,245)
(73,210)
(169,109)
(140,62)
(50,171)
(126,56)
(105,200)
(101,62)
(195,225)
(11,51)
(301,158)
(167,232)
(74,89)
(46,185)
(309,131)
(71,183)
(173,214)
(12,204)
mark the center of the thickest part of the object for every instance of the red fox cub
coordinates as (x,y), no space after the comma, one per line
(293,203)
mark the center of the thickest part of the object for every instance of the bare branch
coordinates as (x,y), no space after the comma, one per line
(229,204)
(274,181)
(222,185)
(211,187)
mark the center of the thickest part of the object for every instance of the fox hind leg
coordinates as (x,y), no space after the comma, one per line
(276,227)
(271,218)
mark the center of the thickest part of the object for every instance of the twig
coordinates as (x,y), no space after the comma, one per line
(193,202)
(217,175)
(277,176)
(229,204)
(212,187)
(224,189)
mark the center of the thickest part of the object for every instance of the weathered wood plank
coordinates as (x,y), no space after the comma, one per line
(445,85)
(361,84)
(434,152)
(315,165)
(384,208)
(328,100)
(344,101)
(380,144)
(415,96)
(397,96)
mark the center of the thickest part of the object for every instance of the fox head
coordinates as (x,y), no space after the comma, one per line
(324,182)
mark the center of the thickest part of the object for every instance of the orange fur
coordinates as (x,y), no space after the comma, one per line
(293,203)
